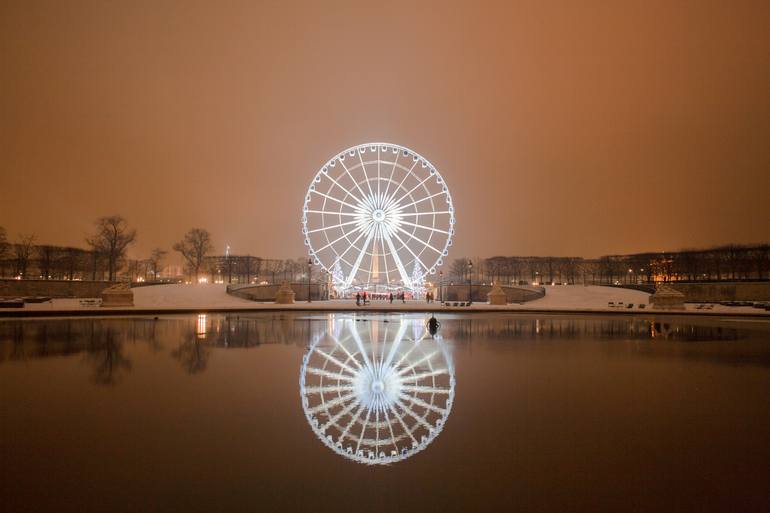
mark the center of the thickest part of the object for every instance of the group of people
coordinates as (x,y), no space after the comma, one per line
(429,297)
(363,298)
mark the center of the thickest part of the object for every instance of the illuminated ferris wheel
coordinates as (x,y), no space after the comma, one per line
(378,215)
(374,393)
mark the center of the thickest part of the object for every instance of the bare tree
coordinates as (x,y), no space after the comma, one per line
(458,268)
(22,251)
(3,242)
(4,249)
(111,240)
(47,256)
(154,261)
(194,247)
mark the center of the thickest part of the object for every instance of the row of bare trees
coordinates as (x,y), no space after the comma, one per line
(105,258)
(723,263)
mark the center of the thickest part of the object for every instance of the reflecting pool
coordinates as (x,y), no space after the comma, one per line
(357,412)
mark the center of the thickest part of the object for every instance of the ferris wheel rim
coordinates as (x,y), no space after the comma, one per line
(407,224)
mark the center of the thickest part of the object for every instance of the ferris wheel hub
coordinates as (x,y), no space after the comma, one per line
(378,215)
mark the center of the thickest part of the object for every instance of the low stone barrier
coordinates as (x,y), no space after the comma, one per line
(270,292)
(724,291)
(513,293)
(52,288)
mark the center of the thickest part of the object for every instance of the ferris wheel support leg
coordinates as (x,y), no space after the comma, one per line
(360,257)
(399,264)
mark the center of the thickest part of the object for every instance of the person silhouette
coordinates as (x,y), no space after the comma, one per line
(433,325)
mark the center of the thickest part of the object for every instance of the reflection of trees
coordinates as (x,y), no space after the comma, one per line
(105,353)
(506,328)
(193,354)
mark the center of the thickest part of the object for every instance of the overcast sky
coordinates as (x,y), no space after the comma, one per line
(567,128)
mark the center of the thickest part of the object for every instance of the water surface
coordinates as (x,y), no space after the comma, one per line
(511,411)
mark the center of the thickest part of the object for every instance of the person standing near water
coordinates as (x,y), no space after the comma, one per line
(358,299)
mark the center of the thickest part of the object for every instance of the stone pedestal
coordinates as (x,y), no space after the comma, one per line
(667,298)
(285,295)
(496,296)
(118,295)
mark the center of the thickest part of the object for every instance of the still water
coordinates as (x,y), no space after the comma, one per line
(344,412)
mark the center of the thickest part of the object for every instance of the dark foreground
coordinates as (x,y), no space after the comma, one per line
(203,413)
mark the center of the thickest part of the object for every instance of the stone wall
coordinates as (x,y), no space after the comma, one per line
(268,292)
(724,291)
(52,288)
(513,294)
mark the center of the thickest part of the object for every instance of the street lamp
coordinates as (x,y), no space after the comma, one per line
(309,271)
(325,279)
(470,286)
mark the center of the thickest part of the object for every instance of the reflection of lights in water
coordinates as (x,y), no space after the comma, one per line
(373,395)
(200,329)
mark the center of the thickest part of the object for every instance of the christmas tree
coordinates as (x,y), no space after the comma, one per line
(418,280)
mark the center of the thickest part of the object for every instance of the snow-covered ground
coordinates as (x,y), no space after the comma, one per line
(211,296)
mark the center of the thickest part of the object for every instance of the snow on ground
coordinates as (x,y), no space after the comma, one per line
(212,296)
(580,296)
(203,295)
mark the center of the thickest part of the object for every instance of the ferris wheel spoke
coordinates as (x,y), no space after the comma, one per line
(334,226)
(356,416)
(324,389)
(426,198)
(354,207)
(390,429)
(405,245)
(335,182)
(334,213)
(390,179)
(399,264)
(417,377)
(342,237)
(336,361)
(424,389)
(378,171)
(404,356)
(385,259)
(417,363)
(419,402)
(401,221)
(396,343)
(404,425)
(421,420)
(337,416)
(331,404)
(352,244)
(432,212)
(360,344)
(363,194)
(390,202)
(366,176)
(330,375)
(363,429)
(413,188)
(419,240)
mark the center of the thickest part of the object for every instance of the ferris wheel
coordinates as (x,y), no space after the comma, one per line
(373,394)
(378,214)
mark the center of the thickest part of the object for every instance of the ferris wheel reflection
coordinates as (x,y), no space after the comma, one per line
(375,391)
